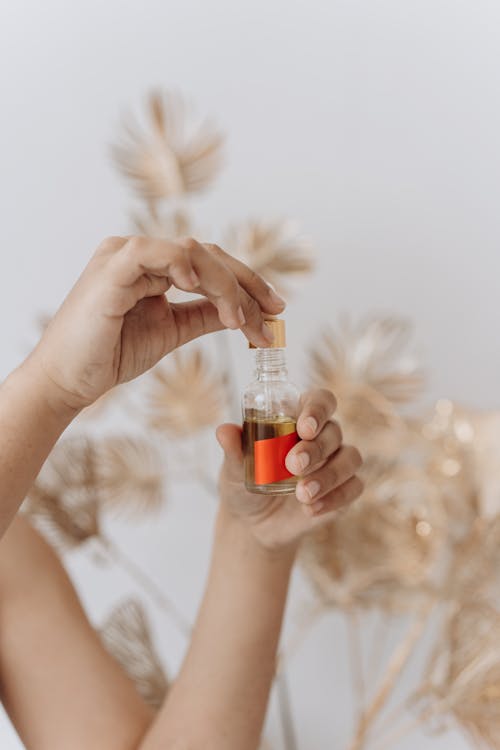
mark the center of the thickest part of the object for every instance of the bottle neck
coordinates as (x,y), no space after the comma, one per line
(270,364)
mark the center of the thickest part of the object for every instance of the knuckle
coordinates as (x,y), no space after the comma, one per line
(252,309)
(355,458)
(336,431)
(113,242)
(333,474)
(213,248)
(134,245)
(328,399)
(189,245)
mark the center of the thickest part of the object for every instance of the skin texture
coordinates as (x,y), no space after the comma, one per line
(59,686)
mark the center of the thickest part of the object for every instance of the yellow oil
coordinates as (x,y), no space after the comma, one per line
(255,428)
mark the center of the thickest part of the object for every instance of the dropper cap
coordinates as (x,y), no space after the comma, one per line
(277,326)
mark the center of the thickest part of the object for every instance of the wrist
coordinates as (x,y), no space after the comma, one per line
(31,380)
(233,529)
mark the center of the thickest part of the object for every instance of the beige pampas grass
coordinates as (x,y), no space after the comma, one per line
(272,249)
(126,635)
(186,396)
(174,156)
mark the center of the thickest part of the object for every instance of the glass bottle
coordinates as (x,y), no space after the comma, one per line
(270,410)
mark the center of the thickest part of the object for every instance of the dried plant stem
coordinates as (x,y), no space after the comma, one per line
(356,662)
(393,718)
(289,734)
(398,732)
(379,642)
(147,584)
(397,663)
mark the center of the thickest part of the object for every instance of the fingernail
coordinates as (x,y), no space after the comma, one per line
(275,297)
(241,316)
(194,278)
(311,424)
(312,488)
(299,461)
(267,333)
(302,494)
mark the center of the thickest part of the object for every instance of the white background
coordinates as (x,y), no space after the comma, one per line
(375,124)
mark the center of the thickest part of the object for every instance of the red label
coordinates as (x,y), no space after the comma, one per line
(269,458)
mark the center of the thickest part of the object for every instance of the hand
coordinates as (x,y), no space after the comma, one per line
(326,467)
(116,322)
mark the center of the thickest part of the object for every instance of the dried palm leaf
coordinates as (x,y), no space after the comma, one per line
(188,396)
(131,474)
(273,250)
(174,156)
(383,550)
(446,440)
(371,371)
(374,354)
(126,635)
(64,502)
(463,678)
(475,564)
(485,429)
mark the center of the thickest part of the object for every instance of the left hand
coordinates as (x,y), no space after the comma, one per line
(326,467)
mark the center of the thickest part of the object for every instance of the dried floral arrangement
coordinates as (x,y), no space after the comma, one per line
(423,542)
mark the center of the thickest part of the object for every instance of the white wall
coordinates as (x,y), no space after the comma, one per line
(376,124)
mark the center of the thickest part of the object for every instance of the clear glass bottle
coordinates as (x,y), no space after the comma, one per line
(270,410)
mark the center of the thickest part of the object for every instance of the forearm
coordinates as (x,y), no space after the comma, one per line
(219,699)
(30,424)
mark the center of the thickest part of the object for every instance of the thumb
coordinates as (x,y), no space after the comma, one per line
(229,437)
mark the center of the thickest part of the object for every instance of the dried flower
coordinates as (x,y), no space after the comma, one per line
(126,635)
(485,446)
(381,551)
(371,371)
(464,675)
(187,396)
(373,354)
(175,156)
(272,250)
(131,474)
(64,502)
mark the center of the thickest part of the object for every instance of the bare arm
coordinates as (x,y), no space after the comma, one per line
(219,699)
(30,424)
(63,690)
(115,324)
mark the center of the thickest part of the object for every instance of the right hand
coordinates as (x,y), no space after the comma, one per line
(116,322)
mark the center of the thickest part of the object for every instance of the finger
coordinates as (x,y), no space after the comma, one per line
(188,265)
(307,454)
(317,407)
(335,472)
(229,437)
(150,286)
(338,498)
(150,255)
(255,329)
(195,318)
(256,287)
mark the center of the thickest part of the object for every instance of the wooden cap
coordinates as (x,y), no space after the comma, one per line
(277,326)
